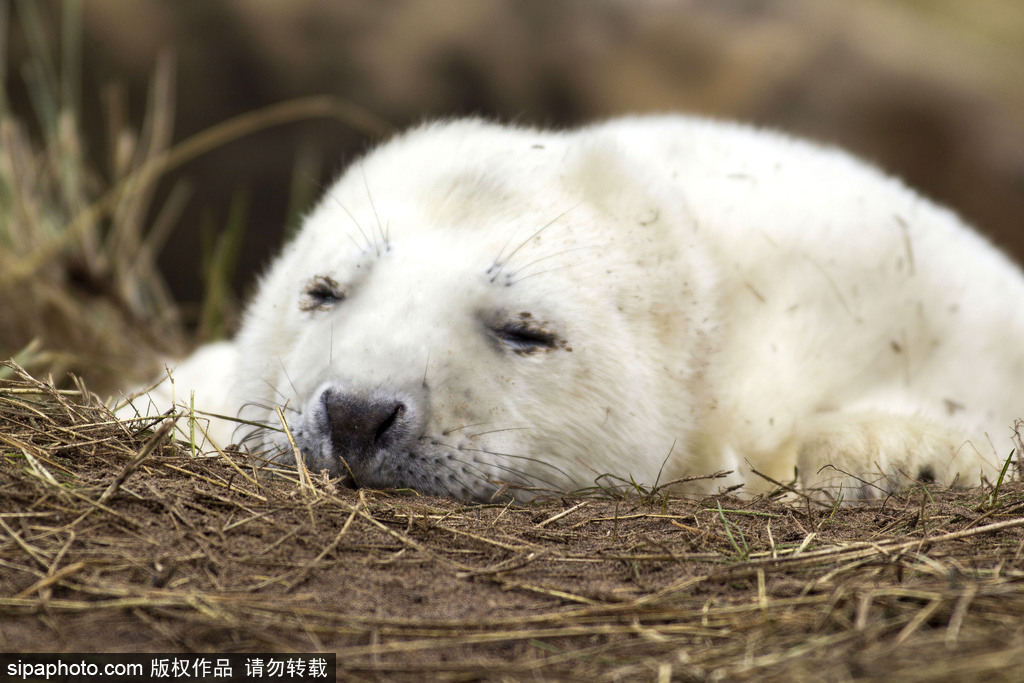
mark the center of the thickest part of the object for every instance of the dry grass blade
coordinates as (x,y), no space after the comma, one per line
(146,451)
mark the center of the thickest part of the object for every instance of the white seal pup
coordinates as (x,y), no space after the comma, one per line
(654,297)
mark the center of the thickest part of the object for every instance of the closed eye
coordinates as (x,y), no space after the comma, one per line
(321,293)
(525,338)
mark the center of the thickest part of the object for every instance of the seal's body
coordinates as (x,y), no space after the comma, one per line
(649,298)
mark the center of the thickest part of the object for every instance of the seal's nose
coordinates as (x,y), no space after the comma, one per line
(360,424)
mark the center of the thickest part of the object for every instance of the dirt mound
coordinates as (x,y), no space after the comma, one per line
(115,538)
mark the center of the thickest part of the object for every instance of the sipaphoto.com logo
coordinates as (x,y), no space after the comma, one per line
(264,667)
(62,668)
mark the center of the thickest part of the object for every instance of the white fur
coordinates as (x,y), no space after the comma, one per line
(725,298)
(200,388)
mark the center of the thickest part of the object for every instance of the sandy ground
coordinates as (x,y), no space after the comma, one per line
(113,538)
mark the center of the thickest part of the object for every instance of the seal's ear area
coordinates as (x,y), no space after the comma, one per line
(597,169)
(604,174)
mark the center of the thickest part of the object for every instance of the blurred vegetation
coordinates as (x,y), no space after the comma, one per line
(79,290)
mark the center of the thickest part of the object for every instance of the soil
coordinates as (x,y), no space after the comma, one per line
(114,538)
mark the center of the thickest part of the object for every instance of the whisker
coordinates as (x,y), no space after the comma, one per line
(530,239)
(251,435)
(337,201)
(544,258)
(455,429)
(540,272)
(373,206)
(482,474)
(456,475)
(526,458)
(286,376)
(497,259)
(495,431)
(369,244)
(457,451)
(507,468)
(269,405)
(527,479)
(274,389)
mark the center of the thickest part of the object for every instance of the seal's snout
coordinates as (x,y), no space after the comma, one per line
(362,424)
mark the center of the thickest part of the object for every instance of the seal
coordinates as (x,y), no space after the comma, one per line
(476,309)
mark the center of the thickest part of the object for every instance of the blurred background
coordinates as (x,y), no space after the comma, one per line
(930,90)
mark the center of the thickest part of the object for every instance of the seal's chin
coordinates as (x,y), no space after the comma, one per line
(428,468)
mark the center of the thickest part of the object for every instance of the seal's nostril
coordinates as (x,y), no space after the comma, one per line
(389,422)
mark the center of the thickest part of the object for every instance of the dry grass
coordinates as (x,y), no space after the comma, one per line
(78,285)
(112,537)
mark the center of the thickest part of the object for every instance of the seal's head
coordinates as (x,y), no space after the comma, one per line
(474,305)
